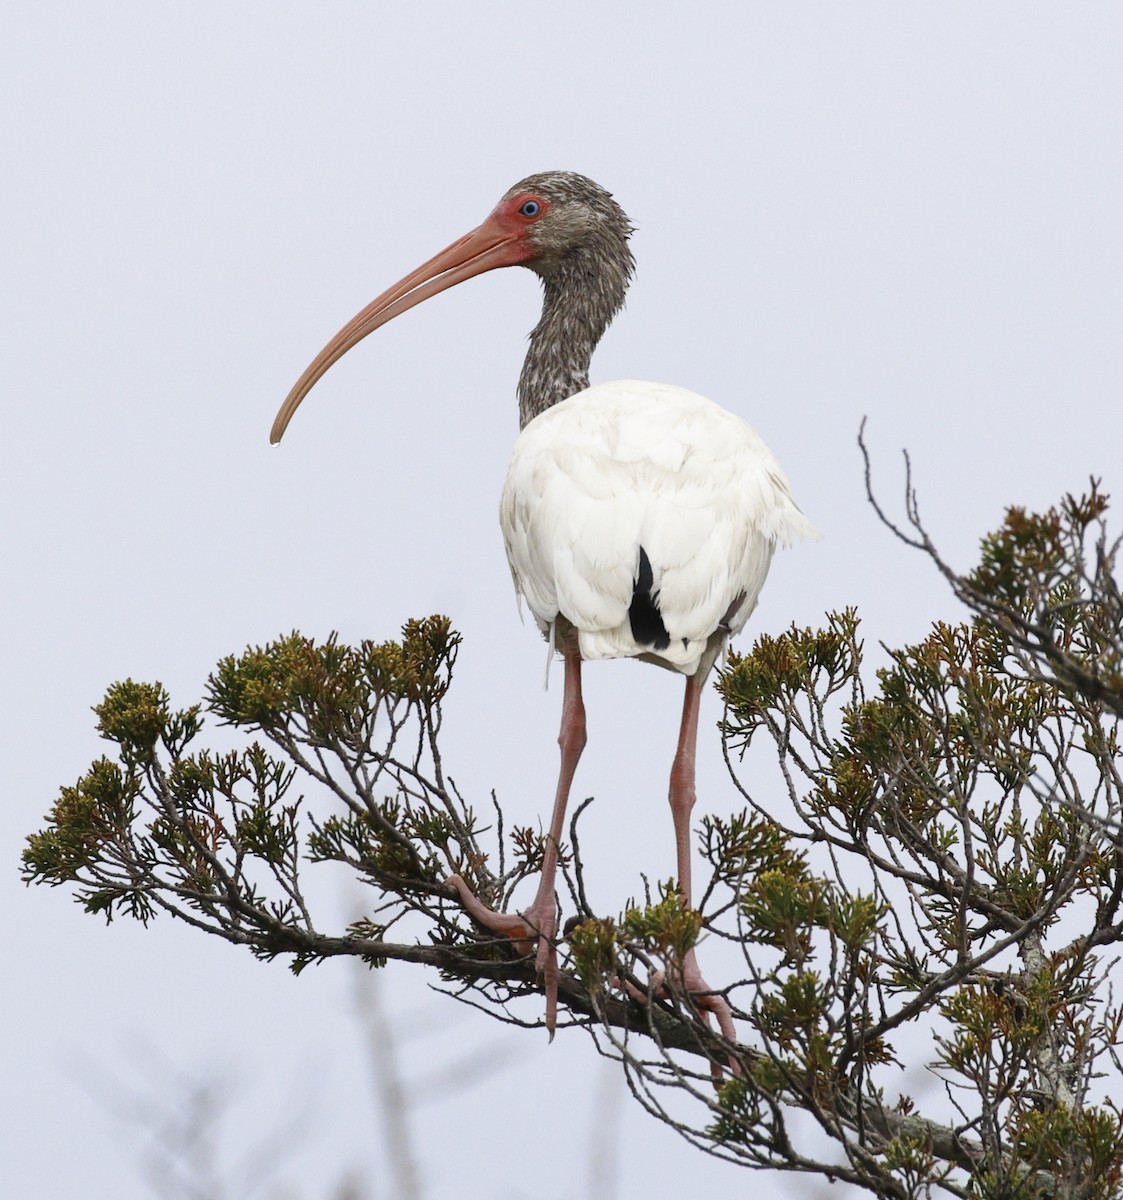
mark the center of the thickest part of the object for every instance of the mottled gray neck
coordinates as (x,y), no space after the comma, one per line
(581,298)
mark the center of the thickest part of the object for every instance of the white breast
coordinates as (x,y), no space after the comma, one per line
(627,465)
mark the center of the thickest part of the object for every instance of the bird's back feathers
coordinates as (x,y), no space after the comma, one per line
(630,471)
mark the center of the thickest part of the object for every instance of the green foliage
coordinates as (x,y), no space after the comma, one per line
(934,853)
(1047,581)
(218,838)
(136,716)
(782,669)
(87,819)
(1031,555)
(594,943)
(667,927)
(747,844)
(1087,1143)
(331,692)
(940,830)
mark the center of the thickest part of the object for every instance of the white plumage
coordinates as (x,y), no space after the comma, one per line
(632,464)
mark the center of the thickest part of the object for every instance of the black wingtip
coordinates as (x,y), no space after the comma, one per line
(643,613)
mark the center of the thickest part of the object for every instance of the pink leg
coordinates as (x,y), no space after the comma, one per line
(682,798)
(539,922)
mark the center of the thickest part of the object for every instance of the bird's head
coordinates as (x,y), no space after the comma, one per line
(560,216)
(557,223)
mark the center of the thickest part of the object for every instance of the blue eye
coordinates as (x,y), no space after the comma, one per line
(530,208)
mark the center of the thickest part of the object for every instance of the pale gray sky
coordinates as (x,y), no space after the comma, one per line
(909,212)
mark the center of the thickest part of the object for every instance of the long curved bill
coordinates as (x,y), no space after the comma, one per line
(495,243)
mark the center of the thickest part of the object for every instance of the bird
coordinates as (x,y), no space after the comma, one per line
(639,518)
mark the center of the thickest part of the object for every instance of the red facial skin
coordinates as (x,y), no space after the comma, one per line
(503,240)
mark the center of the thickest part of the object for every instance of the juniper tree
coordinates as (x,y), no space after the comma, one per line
(930,878)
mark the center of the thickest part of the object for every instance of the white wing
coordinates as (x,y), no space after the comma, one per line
(627,466)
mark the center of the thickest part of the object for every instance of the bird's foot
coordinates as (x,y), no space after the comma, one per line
(687,979)
(536,924)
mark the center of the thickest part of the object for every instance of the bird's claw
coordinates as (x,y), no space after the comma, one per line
(686,979)
(536,925)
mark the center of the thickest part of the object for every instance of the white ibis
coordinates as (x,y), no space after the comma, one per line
(639,518)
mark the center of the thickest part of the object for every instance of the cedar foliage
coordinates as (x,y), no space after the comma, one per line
(927,884)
